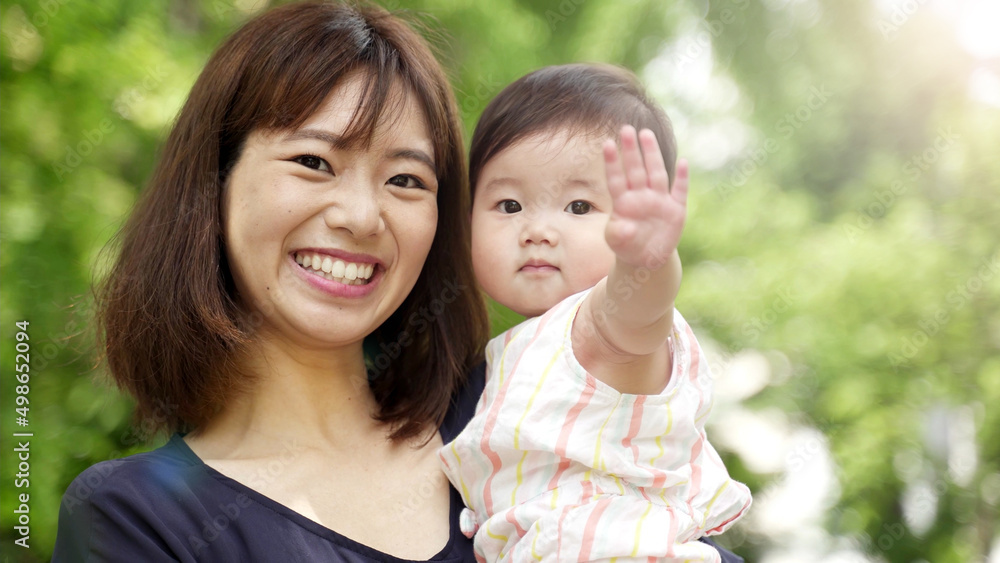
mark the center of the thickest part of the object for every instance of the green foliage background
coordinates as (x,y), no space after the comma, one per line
(850,248)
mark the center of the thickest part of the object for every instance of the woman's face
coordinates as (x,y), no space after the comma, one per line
(325,243)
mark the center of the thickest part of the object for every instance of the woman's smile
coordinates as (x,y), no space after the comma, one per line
(338,273)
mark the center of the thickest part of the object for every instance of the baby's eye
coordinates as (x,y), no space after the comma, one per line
(578,208)
(312,161)
(406,181)
(509,206)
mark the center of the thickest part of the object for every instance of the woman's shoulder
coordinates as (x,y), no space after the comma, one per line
(122,504)
(148,474)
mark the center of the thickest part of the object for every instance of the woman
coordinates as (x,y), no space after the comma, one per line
(294,297)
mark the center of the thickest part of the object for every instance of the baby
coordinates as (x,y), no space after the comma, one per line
(589,441)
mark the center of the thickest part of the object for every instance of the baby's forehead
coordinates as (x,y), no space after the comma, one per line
(547,165)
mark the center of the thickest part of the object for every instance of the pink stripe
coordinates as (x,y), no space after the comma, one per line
(659,477)
(590,529)
(559,536)
(699,443)
(724,524)
(491,422)
(567,429)
(509,516)
(633,428)
(695,360)
(673,532)
(695,472)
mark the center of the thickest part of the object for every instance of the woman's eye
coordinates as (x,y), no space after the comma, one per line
(508,206)
(312,161)
(406,181)
(578,208)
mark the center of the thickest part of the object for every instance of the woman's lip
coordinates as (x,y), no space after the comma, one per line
(333,288)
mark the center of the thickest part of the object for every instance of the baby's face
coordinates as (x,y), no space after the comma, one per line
(538,221)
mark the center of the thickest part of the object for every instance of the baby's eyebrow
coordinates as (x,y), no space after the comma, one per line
(500,182)
(585,183)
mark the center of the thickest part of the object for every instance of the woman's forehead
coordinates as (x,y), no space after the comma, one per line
(353,118)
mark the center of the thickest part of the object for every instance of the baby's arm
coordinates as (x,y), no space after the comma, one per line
(620,331)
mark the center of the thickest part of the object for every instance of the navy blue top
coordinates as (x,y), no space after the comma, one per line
(167,505)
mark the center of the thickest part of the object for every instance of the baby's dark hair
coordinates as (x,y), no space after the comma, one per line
(583,98)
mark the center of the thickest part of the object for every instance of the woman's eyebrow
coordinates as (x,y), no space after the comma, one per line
(414,154)
(332,138)
(335,141)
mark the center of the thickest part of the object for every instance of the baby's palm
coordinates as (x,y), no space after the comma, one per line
(648,216)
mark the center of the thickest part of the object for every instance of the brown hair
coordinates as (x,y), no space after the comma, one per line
(584,98)
(169,318)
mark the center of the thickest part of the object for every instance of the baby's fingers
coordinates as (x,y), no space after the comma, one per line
(656,170)
(613,170)
(680,189)
(635,171)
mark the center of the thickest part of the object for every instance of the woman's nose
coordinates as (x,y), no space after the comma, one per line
(358,210)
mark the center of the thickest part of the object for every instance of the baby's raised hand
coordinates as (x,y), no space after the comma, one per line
(648,216)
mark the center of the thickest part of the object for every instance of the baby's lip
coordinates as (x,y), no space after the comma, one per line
(538,264)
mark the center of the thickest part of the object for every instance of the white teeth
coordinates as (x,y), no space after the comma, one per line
(349,273)
(338,269)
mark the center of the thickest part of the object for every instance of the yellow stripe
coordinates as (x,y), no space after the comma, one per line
(598,462)
(503,357)
(527,409)
(711,403)
(711,502)
(492,535)
(670,426)
(618,482)
(638,529)
(538,532)
(520,479)
(465,491)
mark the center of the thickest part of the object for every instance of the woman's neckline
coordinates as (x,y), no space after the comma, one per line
(177,441)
